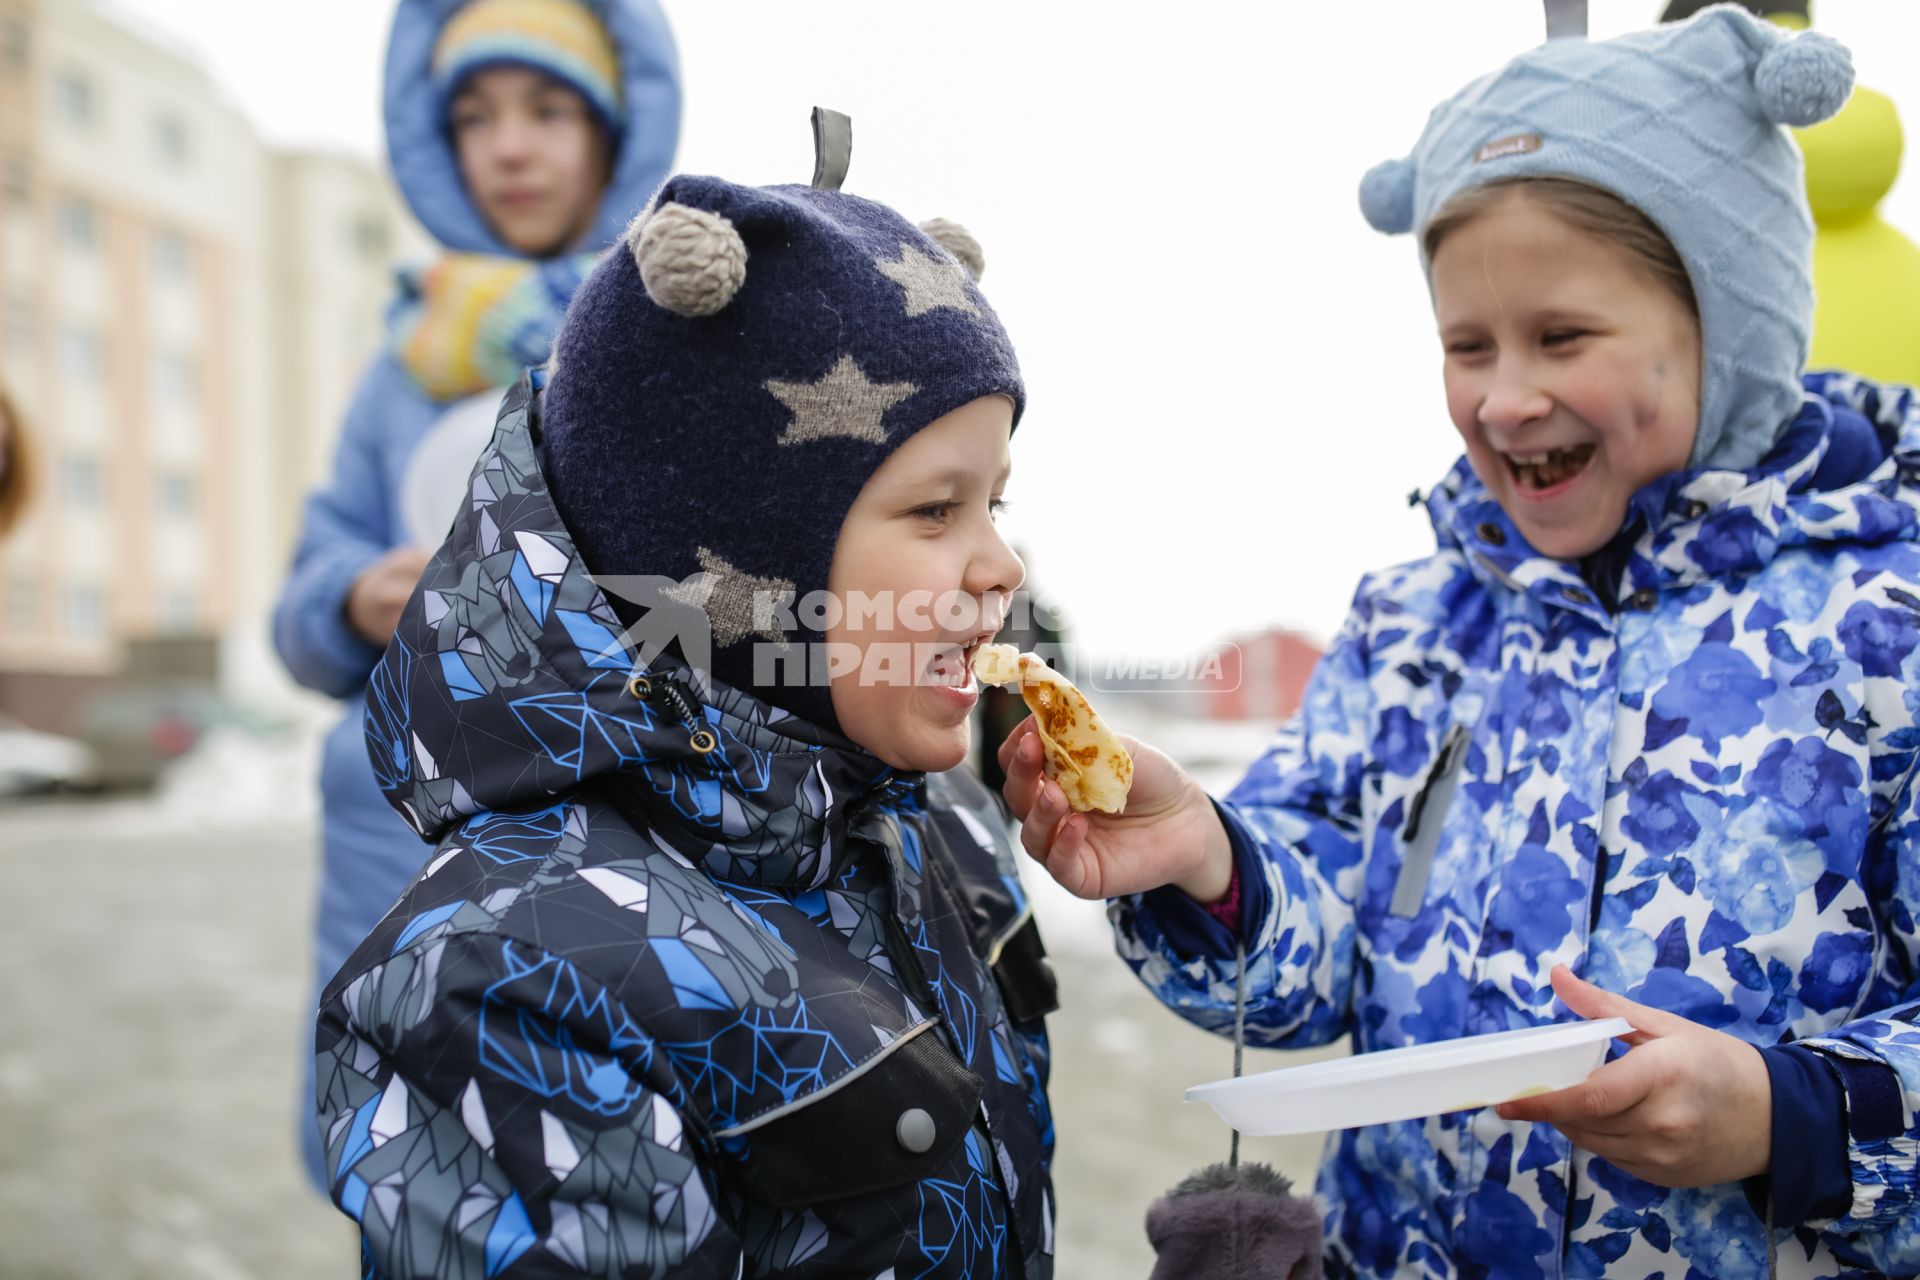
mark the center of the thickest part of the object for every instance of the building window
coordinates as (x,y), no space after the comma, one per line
(177,377)
(16,46)
(74,99)
(369,236)
(179,610)
(82,480)
(172,255)
(86,612)
(176,495)
(171,140)
(79,224)
(83,355)
(22,333)
(17,181)
(23,606)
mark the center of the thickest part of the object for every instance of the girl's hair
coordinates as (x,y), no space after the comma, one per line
(1584,207)
(16,466)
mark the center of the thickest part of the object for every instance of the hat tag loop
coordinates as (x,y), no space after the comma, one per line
(832,148)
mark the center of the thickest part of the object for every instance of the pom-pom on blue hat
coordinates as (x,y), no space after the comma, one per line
(1684,123)
(731,375)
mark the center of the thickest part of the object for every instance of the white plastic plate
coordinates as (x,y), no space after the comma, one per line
(1407,1084)
(434,489)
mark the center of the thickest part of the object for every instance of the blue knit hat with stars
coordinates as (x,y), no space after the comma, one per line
(730,375)
(1683,122)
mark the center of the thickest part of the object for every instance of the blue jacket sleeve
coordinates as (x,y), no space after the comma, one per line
(345,528)
(1808,1177)
(1190,928)
(1876,1058)
(488,1109)
(1295,825)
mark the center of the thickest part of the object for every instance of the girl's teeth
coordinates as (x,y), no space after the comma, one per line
(1543,471)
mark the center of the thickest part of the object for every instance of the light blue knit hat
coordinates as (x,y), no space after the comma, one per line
(1683,123)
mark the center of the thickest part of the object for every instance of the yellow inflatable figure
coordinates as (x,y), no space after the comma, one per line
(1866,275)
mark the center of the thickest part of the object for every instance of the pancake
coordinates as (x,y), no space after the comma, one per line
(1081,754)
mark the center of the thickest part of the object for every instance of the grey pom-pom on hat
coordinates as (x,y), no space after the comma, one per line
(959,242)
(691,261)
(1685,123)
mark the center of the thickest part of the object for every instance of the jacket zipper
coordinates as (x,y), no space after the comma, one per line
(1420,836)
(939,895)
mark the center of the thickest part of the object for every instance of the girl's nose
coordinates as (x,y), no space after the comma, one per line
(1513,401)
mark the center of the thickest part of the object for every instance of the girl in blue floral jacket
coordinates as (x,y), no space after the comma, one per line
(1639,739)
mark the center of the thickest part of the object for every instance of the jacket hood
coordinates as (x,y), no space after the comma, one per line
(1843,471)
(420,149)
(508,685)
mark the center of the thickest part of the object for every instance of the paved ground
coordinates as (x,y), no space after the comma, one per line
(151,989)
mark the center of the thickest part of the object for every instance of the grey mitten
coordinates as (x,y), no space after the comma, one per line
(1230,1222)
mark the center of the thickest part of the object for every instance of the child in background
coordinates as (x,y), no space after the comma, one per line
(1639,739)
(523,133)
(715,970)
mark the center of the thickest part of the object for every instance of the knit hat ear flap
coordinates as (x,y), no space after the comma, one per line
(691,261)
(959,242)
(1804,79)
(1386,196)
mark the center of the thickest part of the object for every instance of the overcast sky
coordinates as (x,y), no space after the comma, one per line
(1233,381)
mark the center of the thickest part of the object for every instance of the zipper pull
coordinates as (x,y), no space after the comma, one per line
(662,691)
(1451,748)
(1419,837)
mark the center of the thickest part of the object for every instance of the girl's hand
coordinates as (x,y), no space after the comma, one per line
(1687,1106)
(1169,833)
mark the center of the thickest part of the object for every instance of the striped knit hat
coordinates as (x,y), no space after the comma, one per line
(563,38)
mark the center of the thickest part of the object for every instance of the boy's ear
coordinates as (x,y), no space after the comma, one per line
(691,261)
(959,242)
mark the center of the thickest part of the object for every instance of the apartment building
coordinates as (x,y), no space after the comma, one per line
(182,313)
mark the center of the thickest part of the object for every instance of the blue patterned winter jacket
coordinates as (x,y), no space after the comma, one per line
(1703,798)
(688,988)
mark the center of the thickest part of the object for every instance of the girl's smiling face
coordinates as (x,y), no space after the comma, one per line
(1572,374)
(920,542)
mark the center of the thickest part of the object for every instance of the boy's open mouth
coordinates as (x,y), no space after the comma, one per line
(1549,467)
(953,666)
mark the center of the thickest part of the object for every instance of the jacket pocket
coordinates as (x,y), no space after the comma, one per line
(1426,815)
(893,1120)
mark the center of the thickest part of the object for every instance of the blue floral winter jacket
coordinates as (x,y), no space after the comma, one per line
(1703,800)
(687,988)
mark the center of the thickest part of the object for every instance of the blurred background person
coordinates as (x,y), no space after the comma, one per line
(524,134)
(16,466)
